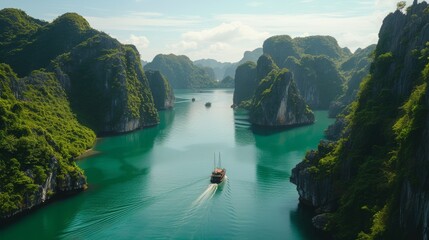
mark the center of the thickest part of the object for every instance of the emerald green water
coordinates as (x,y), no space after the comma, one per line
(154,183)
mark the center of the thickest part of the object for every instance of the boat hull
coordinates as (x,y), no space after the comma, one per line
(216,179)
(218,175)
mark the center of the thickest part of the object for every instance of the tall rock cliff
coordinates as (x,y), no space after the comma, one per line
(107,86)
(181,72)
(245,82)
(374,179)
(317,78)
(163,94)
(40,138)
(313,62)
(277,102)
(248,56)
(85,77)
(355,69)
(103,78)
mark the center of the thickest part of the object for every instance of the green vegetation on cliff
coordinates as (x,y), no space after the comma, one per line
(108,89)
(73,75)
(245,82)
(317,78)
(40,136)
(162,92)
(283,46)
(15,22)
(378,170)
(277,102)
(354,69)
(37,48)
(181,72)
(313,62)
(103,79)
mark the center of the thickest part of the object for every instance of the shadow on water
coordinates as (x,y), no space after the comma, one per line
(267,131)
(47,221)
(300,218)
(242,134)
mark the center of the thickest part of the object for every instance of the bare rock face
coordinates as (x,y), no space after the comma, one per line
(277,102)
(314,191)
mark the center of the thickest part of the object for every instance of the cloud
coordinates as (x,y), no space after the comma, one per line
(141,42)
(221,42)
(232,31)
(350,31)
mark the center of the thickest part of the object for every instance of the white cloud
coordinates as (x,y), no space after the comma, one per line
(353,32)
(141,42)
(232,31)
(224,42)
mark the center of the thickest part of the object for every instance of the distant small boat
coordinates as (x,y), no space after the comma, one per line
(218,174)
(208,104)
(193,99)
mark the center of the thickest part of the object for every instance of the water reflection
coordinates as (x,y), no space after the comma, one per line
(242,134)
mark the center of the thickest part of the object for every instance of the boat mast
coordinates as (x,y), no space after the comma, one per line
(220,163)
(214,161)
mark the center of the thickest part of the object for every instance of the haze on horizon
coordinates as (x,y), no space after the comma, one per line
(220,30)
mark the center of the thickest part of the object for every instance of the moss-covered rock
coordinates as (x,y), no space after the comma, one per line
(317,78)
(245,82)
(92,79)
(354,69)
(108,89)
(40,137)
(181,72)
(103,78)
(248,56)
(377,172)
(277,102)
(162,92)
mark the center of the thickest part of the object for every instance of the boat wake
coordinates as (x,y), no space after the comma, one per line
(206,195)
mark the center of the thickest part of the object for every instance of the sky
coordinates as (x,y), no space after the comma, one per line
(219,29)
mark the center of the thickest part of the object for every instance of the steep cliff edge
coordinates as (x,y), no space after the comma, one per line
(181,71)
(376,175)
(245,82)
(102,77)
(317,78)
(86,77)
(163,94)
(107,86)
(354,69)
(37,147)
(277,102)
(313,62)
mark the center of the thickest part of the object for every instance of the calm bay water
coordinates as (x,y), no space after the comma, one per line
(154,183)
